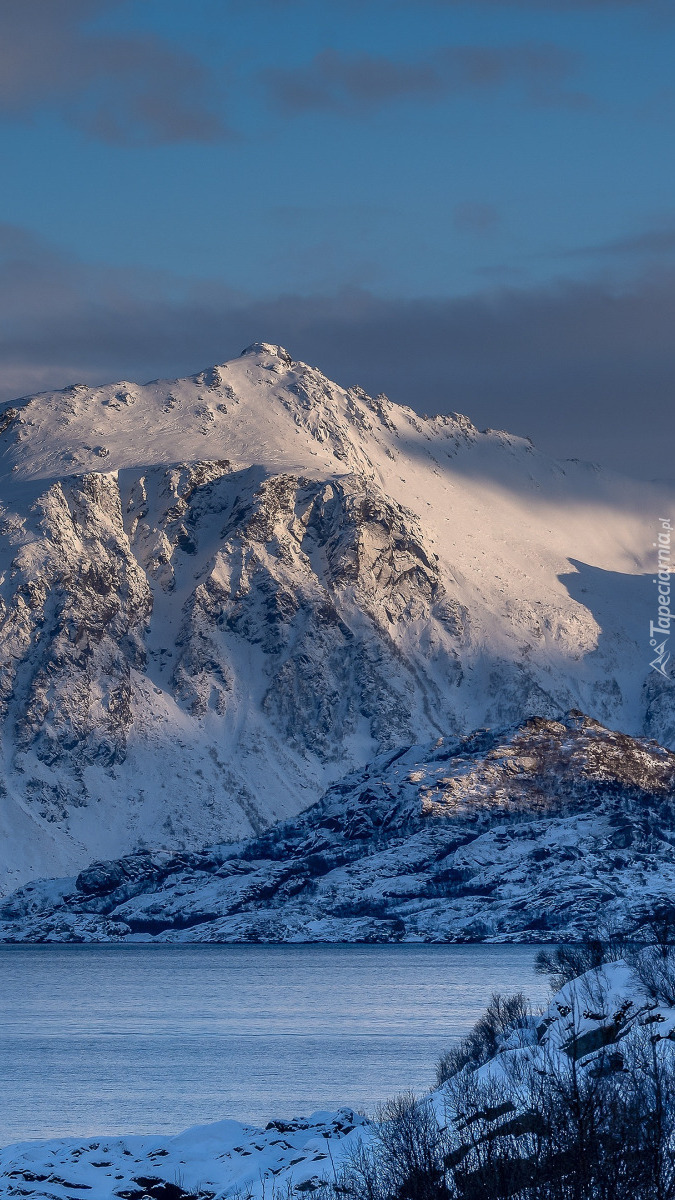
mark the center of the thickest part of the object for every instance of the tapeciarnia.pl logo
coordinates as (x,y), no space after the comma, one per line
(659,630)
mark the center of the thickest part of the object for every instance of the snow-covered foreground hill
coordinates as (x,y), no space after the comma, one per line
(605,1025)
(535,833)
(223,1159)
(220,594)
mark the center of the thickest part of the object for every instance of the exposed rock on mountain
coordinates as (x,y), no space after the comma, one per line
(535,833)
(220,594)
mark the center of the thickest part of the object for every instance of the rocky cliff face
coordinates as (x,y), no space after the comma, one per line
(218,595)
(540,832)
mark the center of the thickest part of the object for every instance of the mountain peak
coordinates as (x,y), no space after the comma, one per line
(267,350)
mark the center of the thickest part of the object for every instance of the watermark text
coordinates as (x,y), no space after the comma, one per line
(659,630)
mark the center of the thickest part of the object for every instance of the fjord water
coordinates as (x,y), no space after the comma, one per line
(153,1039)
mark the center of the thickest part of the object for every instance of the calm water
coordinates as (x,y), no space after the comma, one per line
(149,1039)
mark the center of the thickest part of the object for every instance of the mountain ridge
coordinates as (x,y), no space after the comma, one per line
(543,831)
(267,579)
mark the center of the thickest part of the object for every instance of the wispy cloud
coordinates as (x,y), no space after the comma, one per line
(651,242)
(347,83)
(649,8)
(133,89)
(563,5)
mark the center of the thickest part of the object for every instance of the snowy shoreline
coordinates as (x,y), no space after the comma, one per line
(214,1159)
(588,1027)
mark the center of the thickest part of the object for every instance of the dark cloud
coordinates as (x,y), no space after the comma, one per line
(135,89)
(472,216)
(585,369)
(346,83)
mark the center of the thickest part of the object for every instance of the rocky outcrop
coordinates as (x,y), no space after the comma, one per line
(535,833)
(75,613)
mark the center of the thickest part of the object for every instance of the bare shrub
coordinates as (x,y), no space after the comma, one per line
(655,968)
(561,1130)
(406,1159)
(562,964)
(502,1015)
(554,1125)
(659,924)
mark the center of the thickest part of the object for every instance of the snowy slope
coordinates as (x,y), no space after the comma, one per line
(219,594)
(223,1159)
(540,832)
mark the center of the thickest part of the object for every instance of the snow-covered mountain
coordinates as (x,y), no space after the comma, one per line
(540,832)
(218,595)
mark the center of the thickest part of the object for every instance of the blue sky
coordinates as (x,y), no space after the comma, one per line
(467,204)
